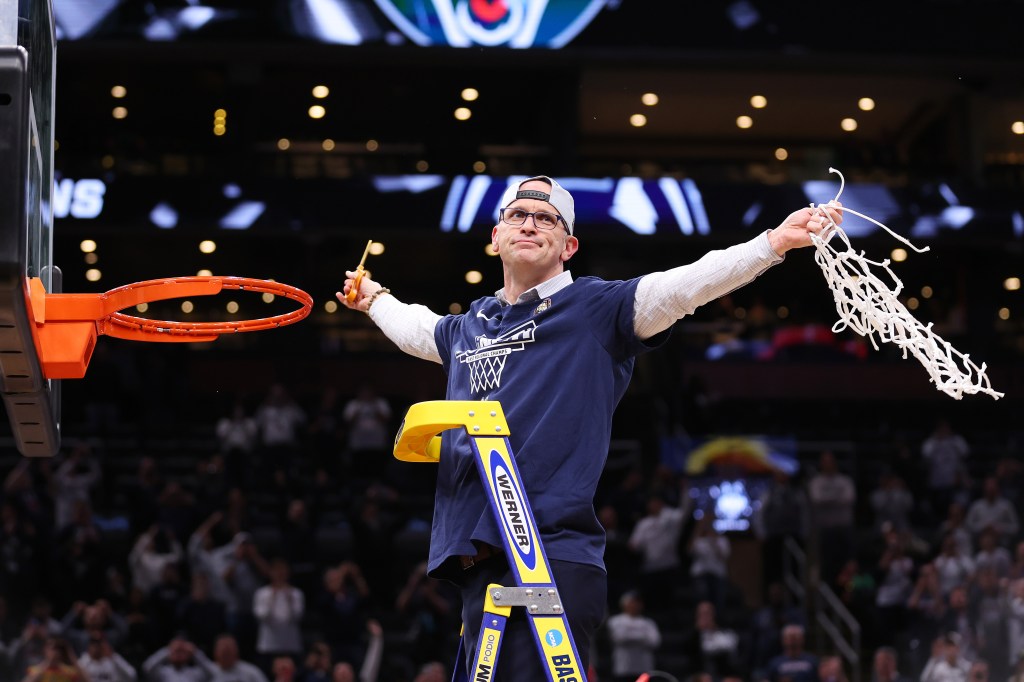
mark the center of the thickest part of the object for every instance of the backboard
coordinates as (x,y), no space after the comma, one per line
(27,61)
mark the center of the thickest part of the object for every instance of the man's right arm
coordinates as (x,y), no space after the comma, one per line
(410,327)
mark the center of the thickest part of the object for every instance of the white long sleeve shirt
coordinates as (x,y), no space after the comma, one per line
(661,298)
(279,613)
(634,639)
(113,668)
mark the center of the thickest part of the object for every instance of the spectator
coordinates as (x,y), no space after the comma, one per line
(991,554)
(368,672)
(989,615)
(793,664)
(30,648)
(23,553)
(953,568)
(80,557)
(279,418)
(884,666)
(155,549)
(1017,568)
(85,621)
(367,418)
(212,561)
(318,666)
(200,616)
(165,602)
(892,503)
(278,608)
(713,648)
(896,570)
(634,638)
(959,621)
(954,525)
(101,663)
(831,670)
(946,664)
(766,628)
(431,606)
(1015,624)
(781,515)
(58,665)
(944,452)
(832,496)
(237,437)
(283,669)
(709,556)
(993,511)
(979,672)
(144,494)
(244,574)
(656,537)
(340,605)
(73,482)
(228,665)
(179,661)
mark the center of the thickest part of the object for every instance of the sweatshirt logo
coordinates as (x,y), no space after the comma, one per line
(487,360)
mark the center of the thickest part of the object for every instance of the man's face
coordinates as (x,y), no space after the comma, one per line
(225,652)
(526,244)
(885,666)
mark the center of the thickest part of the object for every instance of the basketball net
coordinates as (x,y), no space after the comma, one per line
(868,306)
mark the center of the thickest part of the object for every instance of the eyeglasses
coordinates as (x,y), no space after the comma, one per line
(542,219)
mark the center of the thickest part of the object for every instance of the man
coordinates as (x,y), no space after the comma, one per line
(634,638)
(994,511)
(833,496)
(179,661)
(228,665)
(794,664)
(884,667)
(101,663)
(558,354)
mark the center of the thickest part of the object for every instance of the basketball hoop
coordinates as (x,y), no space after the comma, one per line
(66,325)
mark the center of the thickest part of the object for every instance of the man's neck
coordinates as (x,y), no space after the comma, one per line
(518,282)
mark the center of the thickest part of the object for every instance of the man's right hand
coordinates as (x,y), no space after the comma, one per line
(367,287)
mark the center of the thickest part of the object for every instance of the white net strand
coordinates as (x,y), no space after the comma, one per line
(867,305)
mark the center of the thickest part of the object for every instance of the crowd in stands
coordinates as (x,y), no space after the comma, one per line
(292,548)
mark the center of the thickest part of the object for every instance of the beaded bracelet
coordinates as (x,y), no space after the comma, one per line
(374,295)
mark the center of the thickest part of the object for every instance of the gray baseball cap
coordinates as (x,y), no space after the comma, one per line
(557,197)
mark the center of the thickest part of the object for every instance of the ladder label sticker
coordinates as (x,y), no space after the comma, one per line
(514,512)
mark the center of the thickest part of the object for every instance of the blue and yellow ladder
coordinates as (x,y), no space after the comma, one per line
(418,440)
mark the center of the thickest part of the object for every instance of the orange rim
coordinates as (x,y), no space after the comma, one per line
(122,325)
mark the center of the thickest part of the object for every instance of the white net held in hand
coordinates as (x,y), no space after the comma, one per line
(868,306)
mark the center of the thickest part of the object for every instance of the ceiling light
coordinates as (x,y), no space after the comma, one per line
(926,292)
(187,307)
(376,248)
(207,246)
(1011,283)
(321,91)
(119,112)
(489,250)
(232,307)
(422,166)
(268,298)
(479,166)
(118,91)
(781,154)
(455,308)
(1004,313)
(317,111)
(463,114)
(848,124)
(898,255)
(91,258)
(331,306)
(142,307)
(638,120)
(93,275)
(913,303)
(866,104)
(327,144)
(1018,127)
(744,122)
(284,143)
(87,246)
(759,101)
(474,277)
(372,145)
(204,273)
(470,94)
(649,98)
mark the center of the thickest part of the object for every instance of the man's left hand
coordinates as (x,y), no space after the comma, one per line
(795,230)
